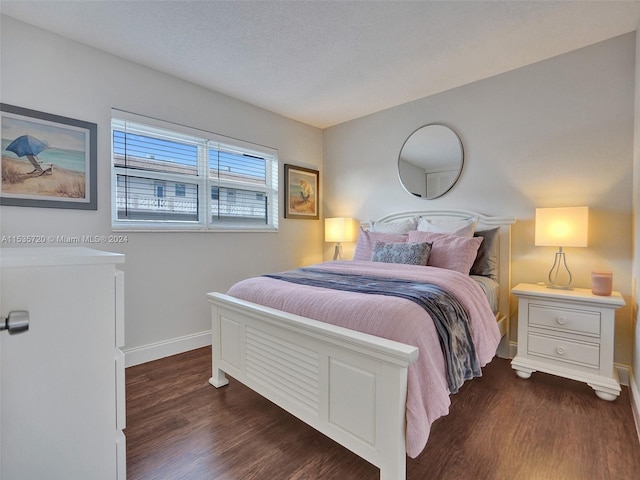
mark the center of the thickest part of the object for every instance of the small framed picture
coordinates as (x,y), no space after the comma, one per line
(47,160)
(301,193)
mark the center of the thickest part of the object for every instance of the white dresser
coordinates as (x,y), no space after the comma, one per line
(62,388)
(569,333)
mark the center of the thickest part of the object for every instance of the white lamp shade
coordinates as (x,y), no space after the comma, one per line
(562,227)
(340,230)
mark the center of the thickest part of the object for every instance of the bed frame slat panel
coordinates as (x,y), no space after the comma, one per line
(282,364)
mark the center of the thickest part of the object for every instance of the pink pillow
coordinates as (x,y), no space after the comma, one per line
(367,240)
(449,251)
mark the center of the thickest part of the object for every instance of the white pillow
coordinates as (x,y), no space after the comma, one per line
(404,226)
(461,228)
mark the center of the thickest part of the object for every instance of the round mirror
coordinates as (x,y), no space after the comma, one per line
(430,161)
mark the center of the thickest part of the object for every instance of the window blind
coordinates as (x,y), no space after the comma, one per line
(166,179)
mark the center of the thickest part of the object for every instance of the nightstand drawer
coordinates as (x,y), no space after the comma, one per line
(564,350)
(582,322)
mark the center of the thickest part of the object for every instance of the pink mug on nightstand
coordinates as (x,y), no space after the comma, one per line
(601,283)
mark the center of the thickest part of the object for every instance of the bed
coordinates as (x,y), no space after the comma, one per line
(357,388)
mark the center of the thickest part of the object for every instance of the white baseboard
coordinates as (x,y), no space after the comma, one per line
(155,351)
(635,402)
(624,373)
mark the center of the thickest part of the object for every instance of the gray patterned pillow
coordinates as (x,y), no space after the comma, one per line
(409,253)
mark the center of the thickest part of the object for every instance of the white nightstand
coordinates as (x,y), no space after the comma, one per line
(569,333)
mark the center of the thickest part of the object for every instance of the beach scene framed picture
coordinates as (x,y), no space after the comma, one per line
(301,192)
(47,160)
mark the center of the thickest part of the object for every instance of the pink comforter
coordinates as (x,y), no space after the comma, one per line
(393,318)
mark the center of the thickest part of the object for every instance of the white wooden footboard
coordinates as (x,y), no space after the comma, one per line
(348,385)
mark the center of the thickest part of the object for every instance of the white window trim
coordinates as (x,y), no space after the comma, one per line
(204,194)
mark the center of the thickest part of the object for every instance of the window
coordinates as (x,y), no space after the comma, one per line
(171,177)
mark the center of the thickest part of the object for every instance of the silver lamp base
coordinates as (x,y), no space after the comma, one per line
(560,270)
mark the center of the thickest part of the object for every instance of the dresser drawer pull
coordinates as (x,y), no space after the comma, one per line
(561,320)
(560,350)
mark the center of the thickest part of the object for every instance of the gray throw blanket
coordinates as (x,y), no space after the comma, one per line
(449,315)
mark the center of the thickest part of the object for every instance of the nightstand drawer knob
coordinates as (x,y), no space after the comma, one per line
(560,351)
(561,320)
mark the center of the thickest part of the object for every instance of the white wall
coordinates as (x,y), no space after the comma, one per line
(555,133)
(635,386)
(167,274)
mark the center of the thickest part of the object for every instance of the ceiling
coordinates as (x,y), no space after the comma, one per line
(327,62)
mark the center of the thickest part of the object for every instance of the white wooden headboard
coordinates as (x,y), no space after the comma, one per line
(485,222)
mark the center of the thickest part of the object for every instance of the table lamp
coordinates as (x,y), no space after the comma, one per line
(340,230)
(561,227)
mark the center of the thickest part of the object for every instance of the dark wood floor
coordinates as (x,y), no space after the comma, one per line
(500,427)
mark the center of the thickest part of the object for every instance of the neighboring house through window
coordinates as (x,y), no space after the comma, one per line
(171,177)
